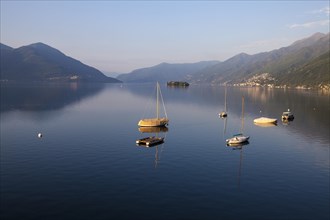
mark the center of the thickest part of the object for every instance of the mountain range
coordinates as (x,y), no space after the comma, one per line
(303,63)
(40,62)
(165,72)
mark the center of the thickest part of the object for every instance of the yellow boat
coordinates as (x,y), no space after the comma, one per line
(158,121)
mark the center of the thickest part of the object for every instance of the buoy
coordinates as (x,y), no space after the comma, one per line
(39,135)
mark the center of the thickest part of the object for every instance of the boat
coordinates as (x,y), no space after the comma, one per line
(155,122)
(150,141)
(224,113)
(287,116)
(265,120)
(239,138)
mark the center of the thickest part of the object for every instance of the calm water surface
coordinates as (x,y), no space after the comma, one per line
(87,165)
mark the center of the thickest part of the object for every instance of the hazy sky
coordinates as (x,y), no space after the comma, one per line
(120,36)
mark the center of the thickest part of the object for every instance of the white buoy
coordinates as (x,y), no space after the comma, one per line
(39,135)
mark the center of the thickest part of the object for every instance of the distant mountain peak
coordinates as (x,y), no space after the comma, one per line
(239,57)
(40,62)
(309,40)
(39,44)
(243,54)
(43,47)
(317,35)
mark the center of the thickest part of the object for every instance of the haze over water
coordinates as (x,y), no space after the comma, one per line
(87,165)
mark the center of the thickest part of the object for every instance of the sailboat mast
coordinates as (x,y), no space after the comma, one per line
(242,114)
(157,108)
(226,98)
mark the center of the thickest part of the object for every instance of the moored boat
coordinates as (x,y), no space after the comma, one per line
(265,120)
(150,141)
(237,139)
(155,122)
(223,114)
(287,116)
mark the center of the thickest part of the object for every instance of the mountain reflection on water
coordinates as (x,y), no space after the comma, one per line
(45,96)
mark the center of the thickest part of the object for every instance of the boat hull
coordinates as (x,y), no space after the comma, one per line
(264,120)
(237,139)
(153,122)
(223,114)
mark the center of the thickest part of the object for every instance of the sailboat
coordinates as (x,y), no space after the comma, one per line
(155,122)
(239,138)
(224,113)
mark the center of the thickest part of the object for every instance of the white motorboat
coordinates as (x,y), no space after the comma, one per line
(237,139)
(265,120)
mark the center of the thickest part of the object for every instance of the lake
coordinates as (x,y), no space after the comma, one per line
(87,165)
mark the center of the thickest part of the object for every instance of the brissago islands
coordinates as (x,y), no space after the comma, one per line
(177,83)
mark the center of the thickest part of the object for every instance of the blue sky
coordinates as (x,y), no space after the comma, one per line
(120,36)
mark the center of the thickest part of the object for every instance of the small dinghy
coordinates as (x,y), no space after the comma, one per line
(150,141)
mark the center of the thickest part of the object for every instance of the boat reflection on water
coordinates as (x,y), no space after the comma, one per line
(153,129)
(265,125)
(238,146)
(286,122)
(153,140)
